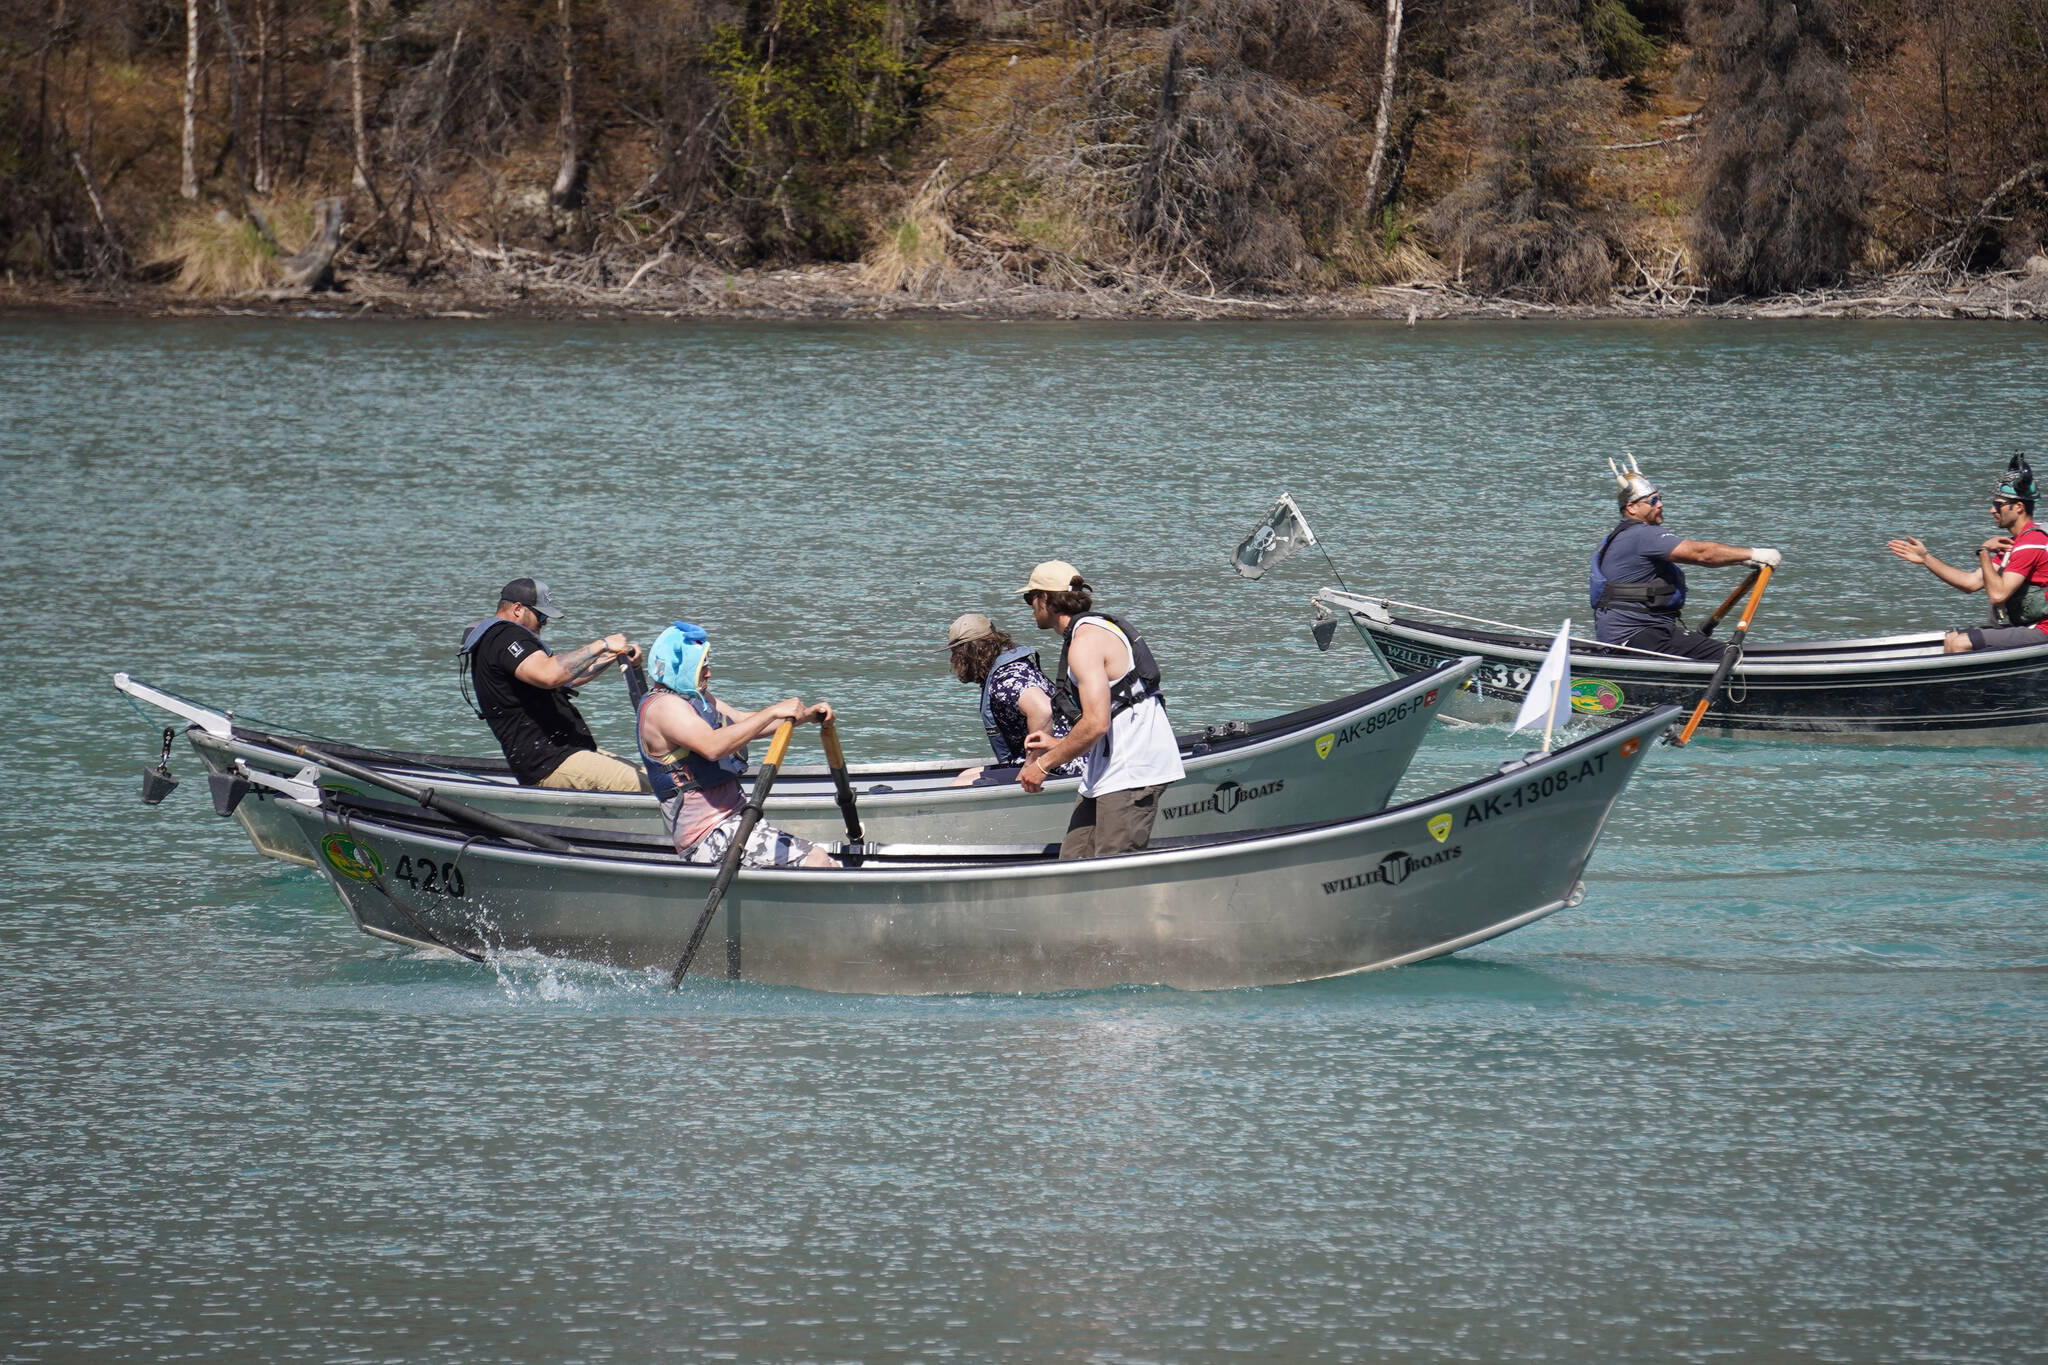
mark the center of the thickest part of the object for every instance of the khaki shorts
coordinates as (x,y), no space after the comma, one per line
(1114,822)
(594,770)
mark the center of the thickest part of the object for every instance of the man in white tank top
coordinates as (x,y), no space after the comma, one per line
(1122,736)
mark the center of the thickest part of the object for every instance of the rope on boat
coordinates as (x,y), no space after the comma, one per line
(348,828)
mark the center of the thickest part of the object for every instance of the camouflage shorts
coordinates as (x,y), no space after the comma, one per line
(767,846)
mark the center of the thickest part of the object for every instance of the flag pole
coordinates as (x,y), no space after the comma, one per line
(1550,714)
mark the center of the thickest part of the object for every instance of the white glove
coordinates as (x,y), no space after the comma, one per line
(1759,557)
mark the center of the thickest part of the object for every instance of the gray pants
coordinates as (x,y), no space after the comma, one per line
(1114,822)
(2004,637)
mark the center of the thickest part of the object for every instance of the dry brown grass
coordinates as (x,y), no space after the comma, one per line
(219,255)
(915,255)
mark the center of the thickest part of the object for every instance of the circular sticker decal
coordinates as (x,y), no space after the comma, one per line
(357,862)
(1596,696)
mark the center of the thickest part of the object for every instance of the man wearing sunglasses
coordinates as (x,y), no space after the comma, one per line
(2012,570)
(522,689)
(1637,587)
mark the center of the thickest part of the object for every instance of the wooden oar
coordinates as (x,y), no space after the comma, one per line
(1762,575)
(729,866)
(1732,599)
(432,800)
(836,758)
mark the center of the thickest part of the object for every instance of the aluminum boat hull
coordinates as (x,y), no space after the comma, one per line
(1341,758)
(1894,690)
(1424,879)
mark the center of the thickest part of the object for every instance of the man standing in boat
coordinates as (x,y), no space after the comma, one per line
(1108,688)
(2012,569)
(1637,587)
(522,689)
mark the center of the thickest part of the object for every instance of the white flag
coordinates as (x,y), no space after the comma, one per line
(1549,703)
(1283,531)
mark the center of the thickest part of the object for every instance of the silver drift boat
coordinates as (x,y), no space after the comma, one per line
(1343,757)
(1898,689)
(1205,913)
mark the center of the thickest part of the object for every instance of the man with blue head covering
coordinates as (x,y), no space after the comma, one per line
(2012,569)
(694,748)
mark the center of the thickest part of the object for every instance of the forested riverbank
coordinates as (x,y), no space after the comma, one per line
(1063,158)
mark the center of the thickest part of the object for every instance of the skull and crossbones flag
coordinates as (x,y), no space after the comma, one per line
(1281,532)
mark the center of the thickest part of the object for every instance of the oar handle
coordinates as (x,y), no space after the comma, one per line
(835,758)
(428,797)
(1729,659)
(1733,598)
(729,865)
(778,745)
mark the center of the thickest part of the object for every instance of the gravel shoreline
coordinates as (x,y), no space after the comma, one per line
(837,292)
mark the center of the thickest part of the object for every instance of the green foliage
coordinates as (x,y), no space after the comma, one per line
(814,78)
(807,83)
(1616,38)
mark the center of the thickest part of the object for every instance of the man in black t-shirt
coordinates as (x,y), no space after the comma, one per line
(523,692)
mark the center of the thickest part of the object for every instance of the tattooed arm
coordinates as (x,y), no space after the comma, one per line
(575,667)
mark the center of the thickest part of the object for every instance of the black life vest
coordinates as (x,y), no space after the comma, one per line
(465,661)
(1139,684)
(1660,596)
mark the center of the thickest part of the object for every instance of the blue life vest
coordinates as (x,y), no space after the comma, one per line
(671,778)
(1660,596)
(996,739)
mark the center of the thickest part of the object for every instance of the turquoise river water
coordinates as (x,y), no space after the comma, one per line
(1773,1092)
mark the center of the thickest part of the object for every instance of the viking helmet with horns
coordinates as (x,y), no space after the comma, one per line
(2018,482)
(1630,483)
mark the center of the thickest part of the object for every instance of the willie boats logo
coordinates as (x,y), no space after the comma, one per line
(1227,797)
(1394,868)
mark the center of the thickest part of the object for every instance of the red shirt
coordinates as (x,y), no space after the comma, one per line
(2028,558)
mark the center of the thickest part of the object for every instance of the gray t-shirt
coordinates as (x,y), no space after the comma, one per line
(1637,553)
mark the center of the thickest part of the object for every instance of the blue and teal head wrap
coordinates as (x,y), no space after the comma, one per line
(678,657)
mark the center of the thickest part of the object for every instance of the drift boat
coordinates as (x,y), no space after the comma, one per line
(1211,912)
(1340,758)
(1899,689)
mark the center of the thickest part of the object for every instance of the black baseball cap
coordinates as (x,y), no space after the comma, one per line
(530,592)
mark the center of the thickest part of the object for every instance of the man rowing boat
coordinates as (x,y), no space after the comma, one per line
(2012,569)
(694,747)
(1637,587)
(523,691)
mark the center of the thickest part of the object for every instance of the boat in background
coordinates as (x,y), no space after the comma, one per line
(1343,757)
(1896,690)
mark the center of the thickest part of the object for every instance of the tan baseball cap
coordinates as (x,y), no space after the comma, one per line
(1055,575)
(970,626)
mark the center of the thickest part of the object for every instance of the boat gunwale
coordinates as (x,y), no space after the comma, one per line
(332,808)
(1940,667)
(804,785)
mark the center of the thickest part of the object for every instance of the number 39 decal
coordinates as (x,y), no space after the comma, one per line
(429,877)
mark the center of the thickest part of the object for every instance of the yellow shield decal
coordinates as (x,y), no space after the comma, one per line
(1323,743)
(1440,826)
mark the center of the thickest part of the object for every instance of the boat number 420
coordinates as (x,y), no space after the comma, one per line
(429,877)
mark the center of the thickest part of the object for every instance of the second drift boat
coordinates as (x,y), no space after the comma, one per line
(1344,757)
(1895,690)
(1207,913)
